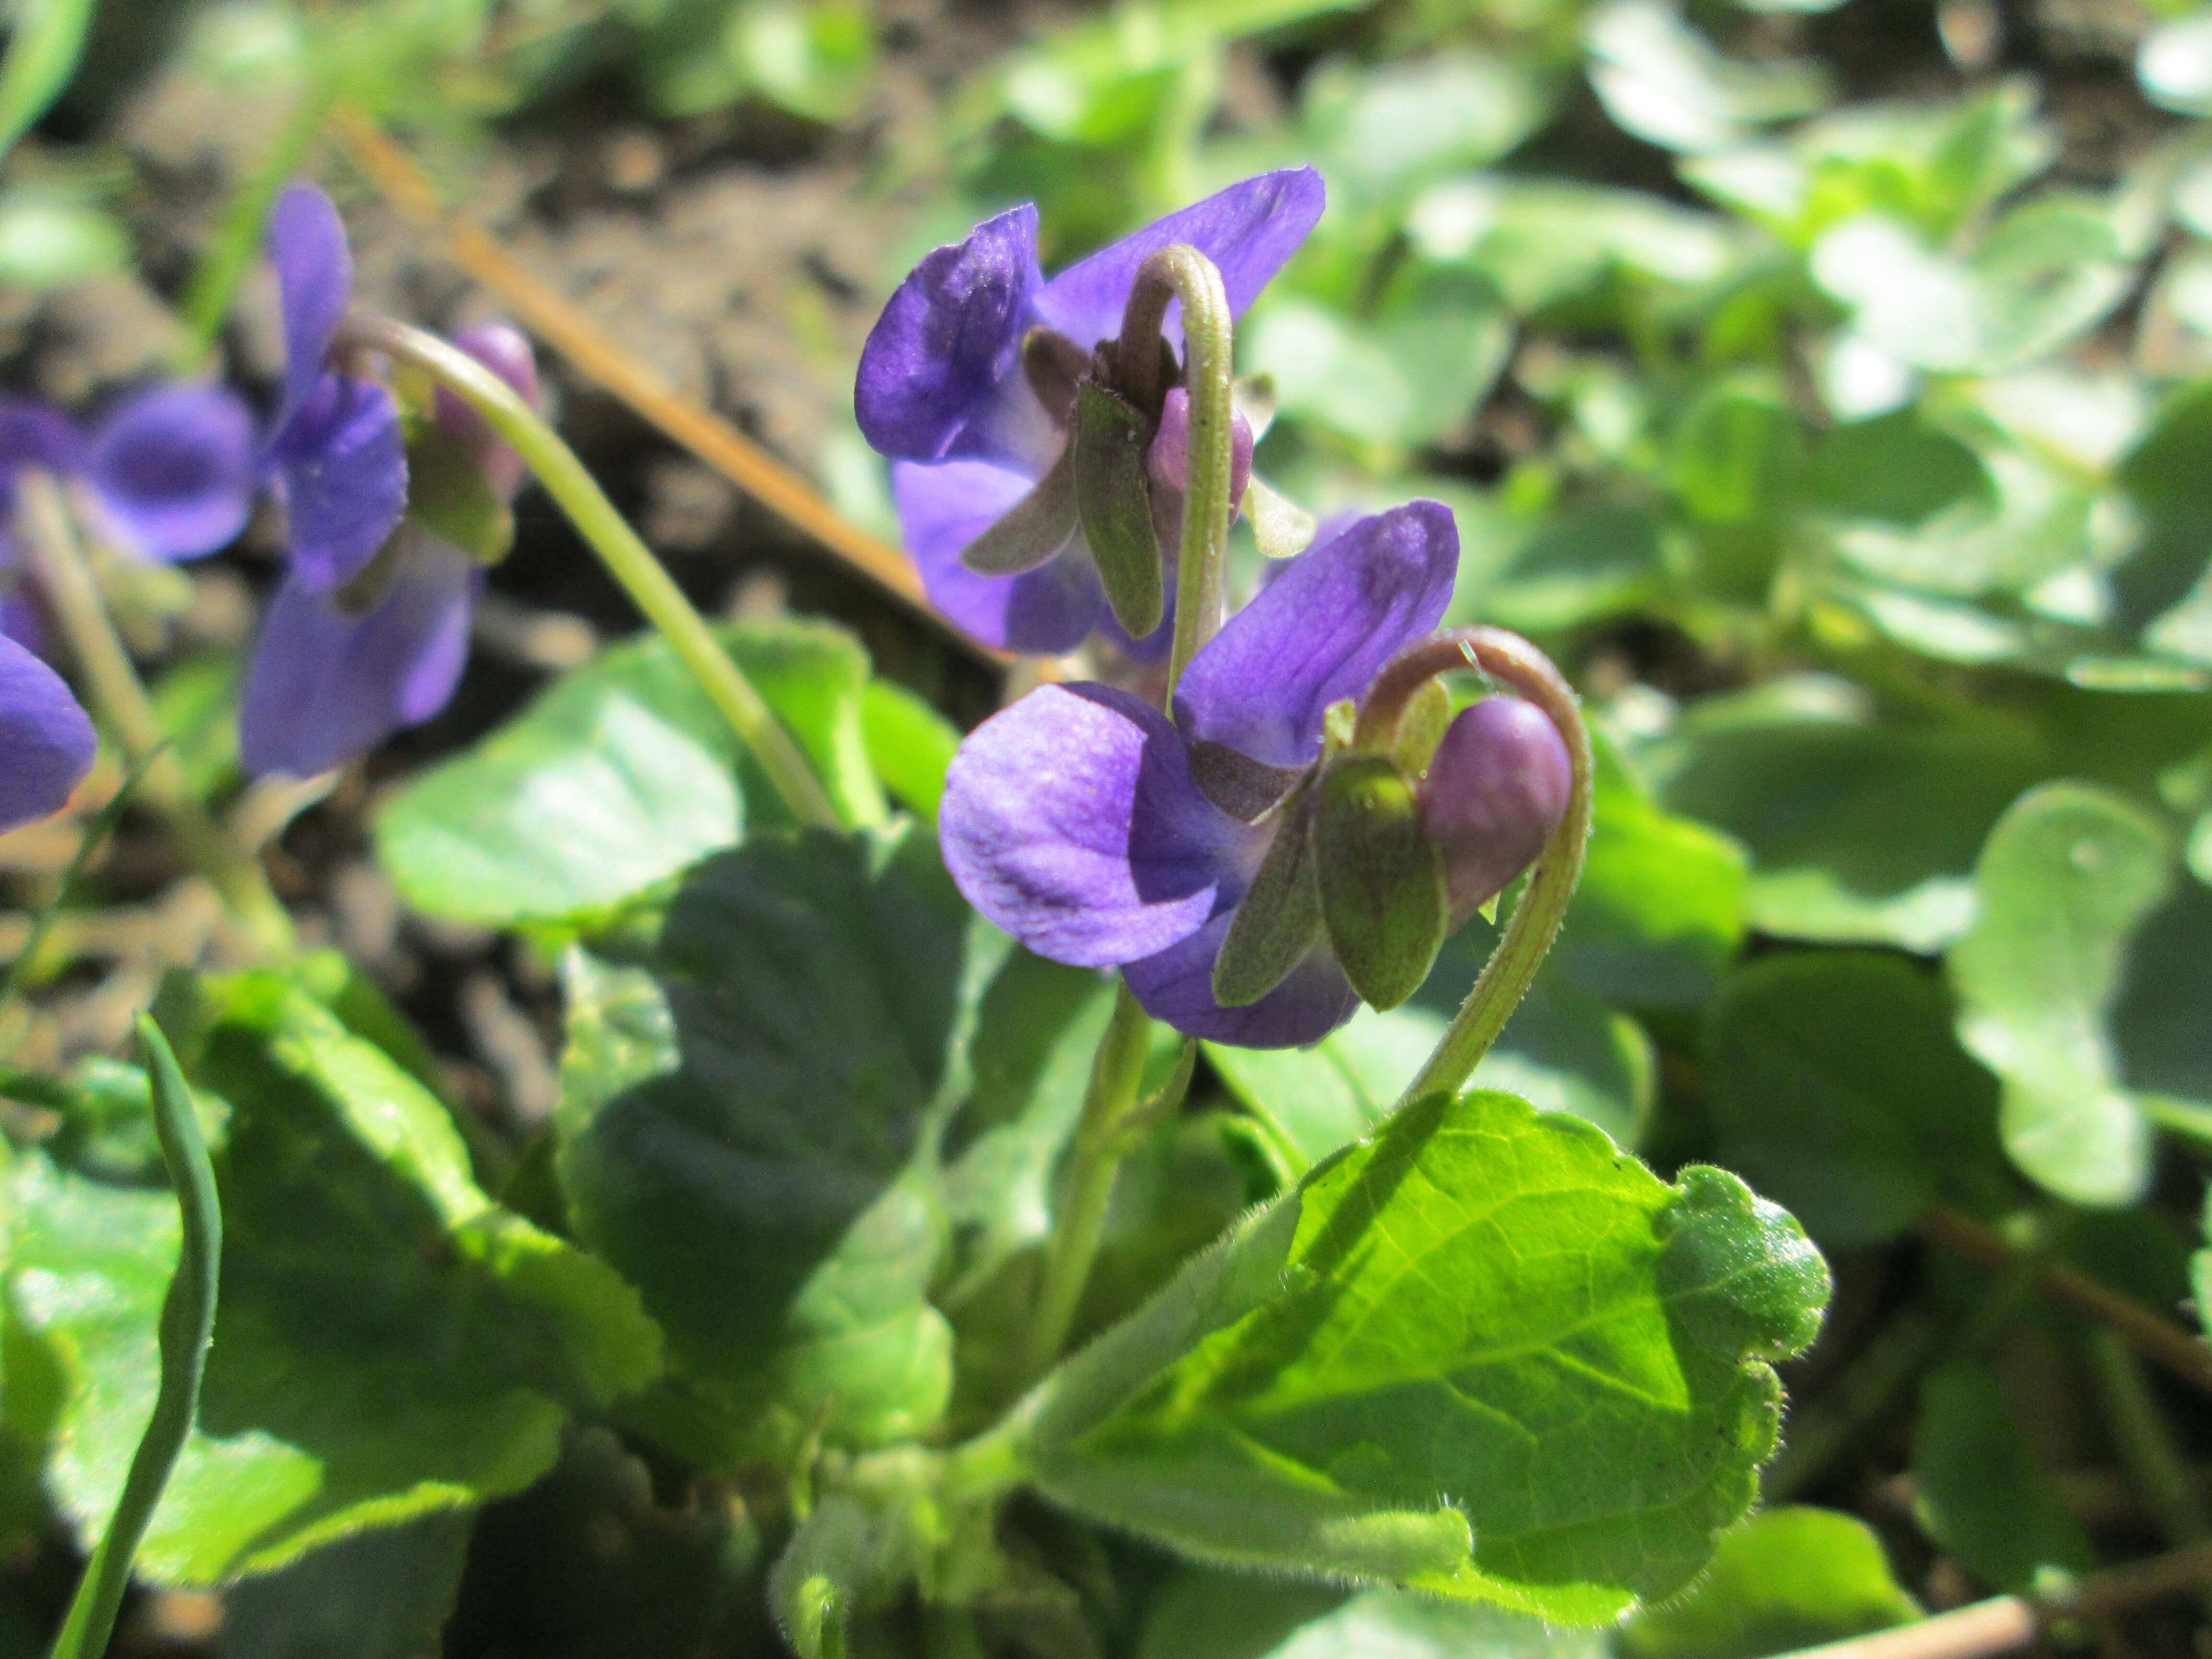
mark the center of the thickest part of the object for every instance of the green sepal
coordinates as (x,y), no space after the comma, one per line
(1030,532)
(1421,726)
(1280,917)
(1382,879)
(1114,503)
(449,495)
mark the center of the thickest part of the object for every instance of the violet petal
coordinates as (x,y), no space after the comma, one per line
(46,744)
(324,686)
(942,509)
(1176,985)
(1319,632)
(1071,821)
(36,435)
(343,460)
(1249,230)
(173,470)
(940,375)
(315,281)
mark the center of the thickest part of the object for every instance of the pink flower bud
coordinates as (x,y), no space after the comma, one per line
(1170,453)
(1494,793)
(504,350)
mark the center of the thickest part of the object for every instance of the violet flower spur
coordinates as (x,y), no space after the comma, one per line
(972,377)
(46,744)
(1100,834)
(337,671)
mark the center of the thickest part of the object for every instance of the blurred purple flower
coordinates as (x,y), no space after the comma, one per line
(167,473)
(947,388)
(337,671)
(1098,833)
(46,744)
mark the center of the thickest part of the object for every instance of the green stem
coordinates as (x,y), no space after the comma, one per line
(238,241)
(1505,978)
(1182,272)
(1116,1072)
(187,1326)
(625,555)
(66,579)
(2145,1442)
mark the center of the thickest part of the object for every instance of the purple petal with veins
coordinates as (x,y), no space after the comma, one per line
(46,744)
(173,470)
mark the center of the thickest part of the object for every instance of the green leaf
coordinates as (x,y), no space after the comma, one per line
(1787,1578)
(1564,1050)
(618,777)
(1663,81)
(1402,375)
(2047,272)
(1661,907)
(750,1128)
(44,44)
(391,1343)
(2069,874)
(1979,1494)
(910,745)
(1505,1363)
(48,241)
(1895,469)
(1836,1084)
(382,1595)
(1858,832)
(1379,132)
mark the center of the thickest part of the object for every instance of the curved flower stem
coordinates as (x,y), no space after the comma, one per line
(627,559)
(65,578)
(1116,1072)
(1180,271)
(1505,978)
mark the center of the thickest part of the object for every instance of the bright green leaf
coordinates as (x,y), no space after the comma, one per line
(910,745)
(618,777)
(1787,1578)
(2069,874)
(1506,1363)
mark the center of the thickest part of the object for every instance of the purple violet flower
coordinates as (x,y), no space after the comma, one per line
(337,446)
(46,744)
(337,671)
(1098,833)
(948,388)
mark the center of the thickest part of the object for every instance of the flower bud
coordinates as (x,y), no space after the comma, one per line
(1170,455)
(1494,793)
(504,351)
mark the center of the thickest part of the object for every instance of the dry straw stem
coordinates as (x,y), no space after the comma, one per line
(2157,1340)
(2006,1622)
(551,316)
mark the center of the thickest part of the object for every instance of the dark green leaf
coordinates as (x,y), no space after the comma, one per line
(1505,1363)
(1837,1085)
(382,1595)
(620,776)
(1979,1496)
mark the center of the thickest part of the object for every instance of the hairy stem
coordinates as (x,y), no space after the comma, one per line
(1116,1073)
(1505,978)
(65,577)
(619,547)
(1182,272)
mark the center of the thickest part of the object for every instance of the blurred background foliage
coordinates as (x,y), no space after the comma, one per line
(1826,383)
